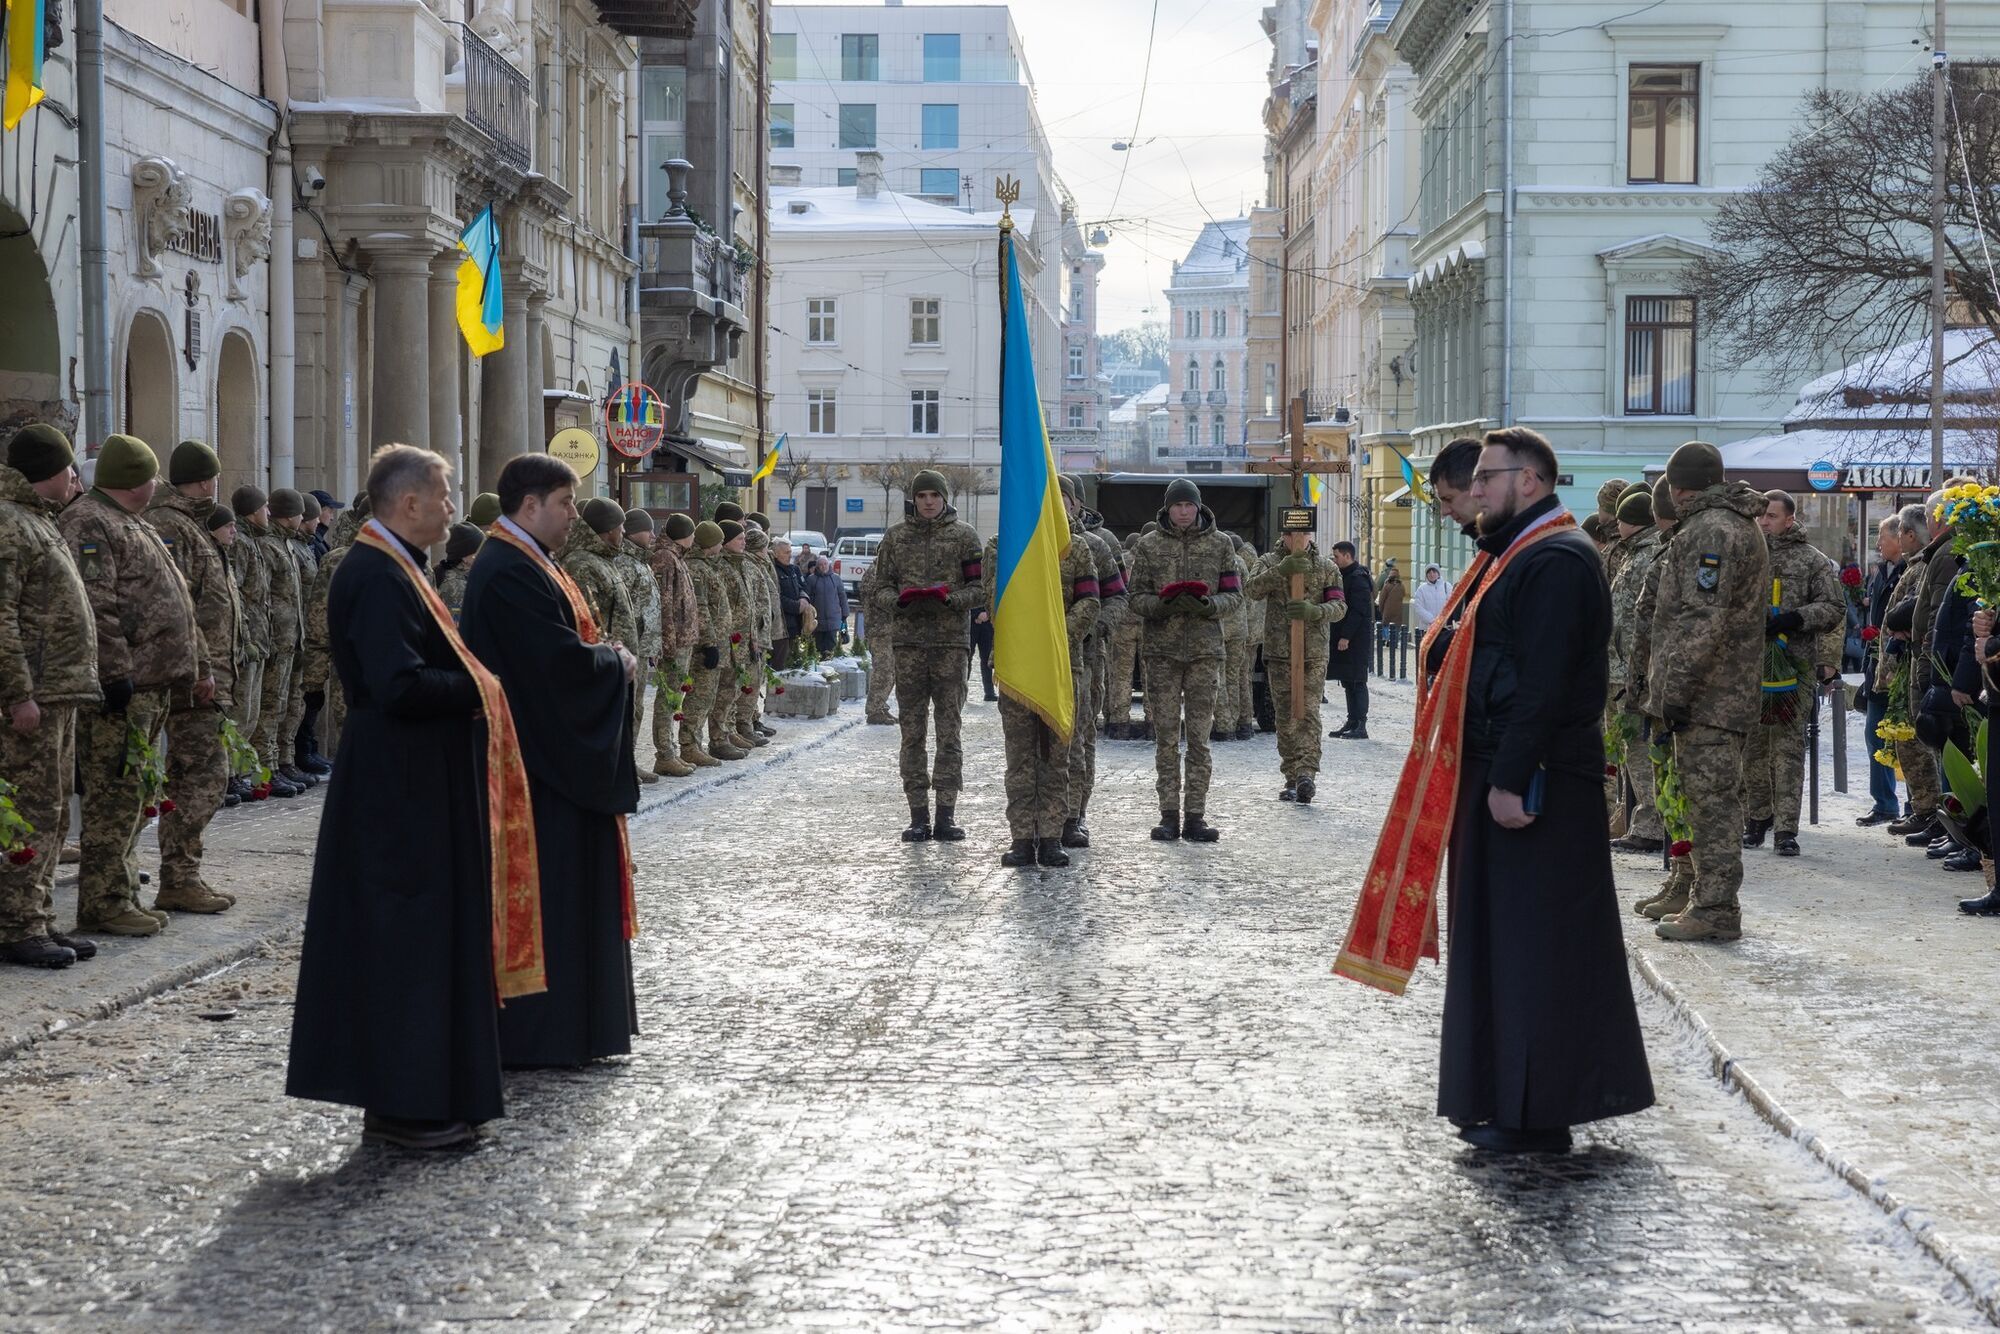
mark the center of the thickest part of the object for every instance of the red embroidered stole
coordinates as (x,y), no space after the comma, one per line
(1395,921)
(510,821)
(586,629)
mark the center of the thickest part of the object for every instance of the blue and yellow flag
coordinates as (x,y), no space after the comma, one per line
(24,60)
(770,464)
(1030,637)
(481,317)
(1419,491)
(1314,490)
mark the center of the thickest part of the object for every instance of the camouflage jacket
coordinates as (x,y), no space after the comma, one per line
(450,585)
(1641,554)
(929,553)
(145,619)
(1906,587)
(642,595)
(1273,591)
(715,588)
(760,578)
(1172,556)
(1112,604)
(48,634)
(1080,594)
(680,613)
(743,615)
(182,521)
(1618,553)
(318,665)
(1940,568)
(253,588)
(878,621)
(284,604)
(1236,627)
(1708,621)
(587,560)
(1807,583)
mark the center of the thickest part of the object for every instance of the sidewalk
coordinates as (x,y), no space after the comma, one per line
(263,855)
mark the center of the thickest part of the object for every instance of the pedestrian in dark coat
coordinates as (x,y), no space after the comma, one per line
(1352,641)
(828,595)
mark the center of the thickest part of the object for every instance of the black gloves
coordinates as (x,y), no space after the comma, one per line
(711,658)
(1785,623)
(1677,714)
(118,695)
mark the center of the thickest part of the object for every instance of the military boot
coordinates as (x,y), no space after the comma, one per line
(120,919)
(692,754)
(1754,831)
(750,738)
(1786,844)
(1693,924)
(1073,835)
(669,765)
(723,746)
(648,776)
(944,827)
(920,825)
(37,952)
(1168,830)
(1022,853)
(1048,852)
(1669,899)
(1197,830)
(1304,790)
(196,898)
(77,945)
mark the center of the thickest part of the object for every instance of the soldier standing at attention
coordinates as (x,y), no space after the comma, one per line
(1320,606)
(48,672)
(318,665)
(1184,581)
(746,599)
(284,610)
(1111,608)
(679,624)
(1118,723)
(1806,602)
(881,650)
(197,773)
(928,577)
(1642,542)
(711,653)
(761,578)
(587,559)
(296,530)
(632,562)
(147,648)
(1702,680)
(1235,651)
(253,590)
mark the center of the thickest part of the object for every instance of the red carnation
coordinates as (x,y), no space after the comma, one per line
(680,717)
(1953,806)
(150,812)
(21,856)
(1851,575)
(1610,771)
(1682,847)
(746,690)
(779,691)
(166,805)
(1870,633)
(736,638)
(688,684)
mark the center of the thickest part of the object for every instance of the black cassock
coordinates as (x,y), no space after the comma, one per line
(396,1010)
(1539,1026)
(572,710)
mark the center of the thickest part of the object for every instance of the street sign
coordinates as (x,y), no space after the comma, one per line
(786,504)
(739,481)
(853,504)
(1822,476)
(635,417)
(576,447)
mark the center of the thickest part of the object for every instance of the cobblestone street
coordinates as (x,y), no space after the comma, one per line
(887,1087)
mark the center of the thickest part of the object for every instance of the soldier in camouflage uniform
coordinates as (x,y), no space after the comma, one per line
(318,664)
(713,653)
(197,774)
(1809,604)
(1095,654)
(587,559)
(284,609)
(1922,781)
(1040,771)
(1235,653)
(929,577)
(1321,604)
(761,577)
(296,531)
(461,548)
(1703,678)
(48,672)
(1184,582)
(680,623)
(147,648)
(750,611)
(881,651)
(253,591)
(1124,662)
(1112,613)
(1627,726)
(1939,567)
(1679,884)
(1609,496)
(632,563)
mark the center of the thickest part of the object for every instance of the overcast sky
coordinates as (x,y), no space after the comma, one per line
(1203,112)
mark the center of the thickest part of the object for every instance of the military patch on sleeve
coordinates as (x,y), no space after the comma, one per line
(89,560)
(1708,572)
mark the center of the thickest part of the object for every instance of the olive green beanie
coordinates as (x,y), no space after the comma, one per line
(680,525)
(485,509)
(124,462)
(192,461)
(39,451)
(708,535)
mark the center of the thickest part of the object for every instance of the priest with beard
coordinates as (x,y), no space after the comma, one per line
(421,919)
(571,693)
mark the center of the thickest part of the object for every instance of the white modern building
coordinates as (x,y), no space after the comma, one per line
(886,343)
(1208,339)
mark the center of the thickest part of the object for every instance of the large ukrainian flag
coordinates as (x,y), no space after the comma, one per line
(1030,638)
(24,52)
(481,315)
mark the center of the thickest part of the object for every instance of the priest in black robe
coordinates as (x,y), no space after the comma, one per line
(1540,1030)
(396,1008)
(572,708)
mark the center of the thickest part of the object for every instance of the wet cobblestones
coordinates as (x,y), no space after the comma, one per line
(893,1087)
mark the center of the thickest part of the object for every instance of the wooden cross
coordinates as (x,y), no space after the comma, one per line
(1298,466)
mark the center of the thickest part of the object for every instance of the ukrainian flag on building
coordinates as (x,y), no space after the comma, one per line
(481,316)
(1030,638)
(25,33)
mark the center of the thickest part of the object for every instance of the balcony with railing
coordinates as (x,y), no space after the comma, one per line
(1218,397)
(691,294)
(498,101)
(1191,397)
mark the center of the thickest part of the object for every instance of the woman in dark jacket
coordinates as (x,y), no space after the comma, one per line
(1353,640)
(828,596)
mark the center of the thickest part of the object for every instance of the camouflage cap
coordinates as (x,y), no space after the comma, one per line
(1607,495)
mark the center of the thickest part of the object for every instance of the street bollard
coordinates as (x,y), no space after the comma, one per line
(1839,697)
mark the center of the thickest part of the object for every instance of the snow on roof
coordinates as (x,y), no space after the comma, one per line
(1221,248)
(838,208)
(1796,451)
(1150,398)
(1895,383)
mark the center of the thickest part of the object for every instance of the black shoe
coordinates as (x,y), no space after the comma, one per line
(1073,835)
(765,729)
(920,825)
(1245,732)
(1307,789)
(1873,818)
(314,764)
(84,949)
(1145,732)
(944,828)
(991,697)
(239,788)
(229,798)
(1754,831)
(1216,738)
(1634,843)
(1169,828)
(1290,793)
(280,788)
(1985,907)
(1049,853)
(1499,1139)
(1923,831)
(1907,824)
(1941,848)
(1342,730)
(37,952)
(1022,853)
(1359,734)
(1787,845)
(1965,859)
(1197,830)
(405,1134)
(291,774)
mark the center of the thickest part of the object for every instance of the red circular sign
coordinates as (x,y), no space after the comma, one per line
(635,418)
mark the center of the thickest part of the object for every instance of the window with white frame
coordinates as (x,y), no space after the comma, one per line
(1215,431)
(1193,324)
(1193,376)
(1076,416)
(1270,388)
(1193,432)
(820,418)
(1076,361)
(1659,356)
(1218,323)
(924,313)
(822,326)
(1219,381)
(923,412)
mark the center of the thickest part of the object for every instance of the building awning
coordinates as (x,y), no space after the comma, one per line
(717,454)
(1400,496)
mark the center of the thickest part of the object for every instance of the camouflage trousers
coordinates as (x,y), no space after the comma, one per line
(113,806)
(1038,773)
(1298,738)
(1118,676)
(42,767)
(1082,748)
(930,679)
(1180,700)
(1921,776)
(333,717)
(247,701)
(1774,773)
(1246,704)
(197,772)
(881,676)
(273,743)
(698,710)
(1228,703)
(1100,678)
(1709,763)
(1637,768)
(667,732)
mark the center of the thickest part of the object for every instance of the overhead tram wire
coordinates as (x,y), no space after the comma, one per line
(1145,80)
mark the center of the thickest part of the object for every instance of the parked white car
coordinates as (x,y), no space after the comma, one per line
(852,555)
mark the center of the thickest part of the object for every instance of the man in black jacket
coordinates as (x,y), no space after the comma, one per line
(791,600)
(1353,642)
(1881,582)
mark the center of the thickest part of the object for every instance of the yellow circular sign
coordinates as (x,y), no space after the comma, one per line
(576,447)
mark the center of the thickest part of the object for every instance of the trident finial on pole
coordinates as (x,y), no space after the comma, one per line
(1007,190)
